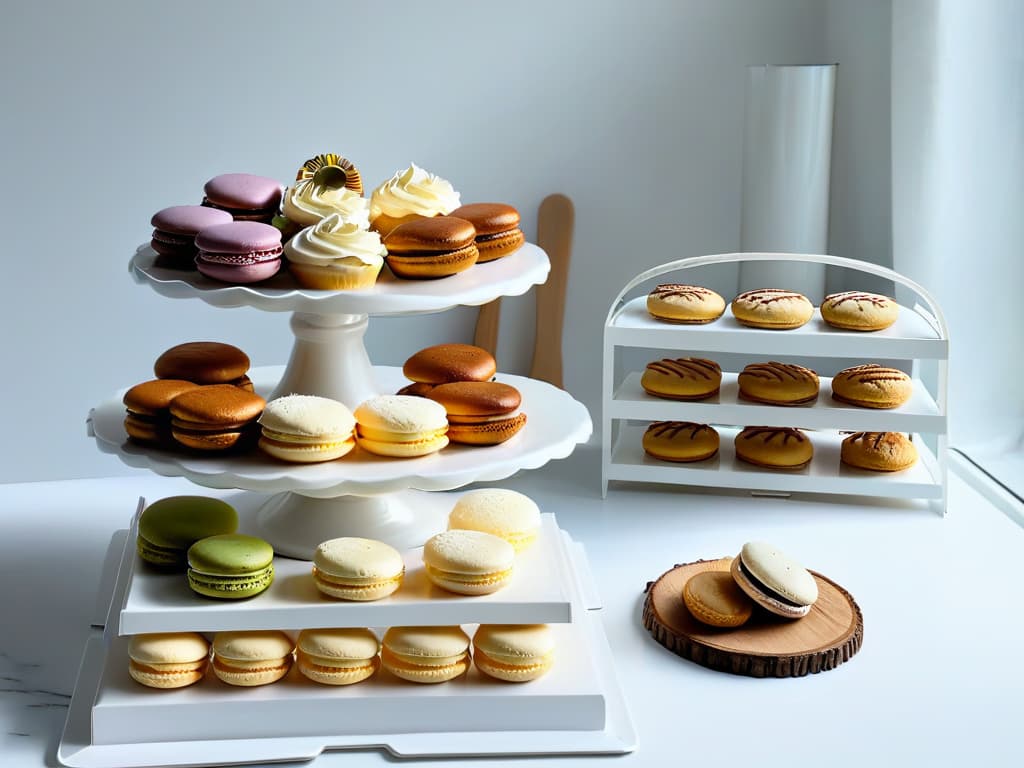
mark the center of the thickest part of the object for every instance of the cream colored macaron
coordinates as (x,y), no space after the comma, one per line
(253,657)
(306,429)
(514,652)
(468,562)
(338,656)
(351,568)
(401,426)
(168,659)
(509,514)
(773,580)
(426,654)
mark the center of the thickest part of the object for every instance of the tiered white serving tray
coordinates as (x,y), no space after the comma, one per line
(918,335)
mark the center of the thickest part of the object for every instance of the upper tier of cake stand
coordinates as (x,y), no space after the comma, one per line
(556,423)
(509,276)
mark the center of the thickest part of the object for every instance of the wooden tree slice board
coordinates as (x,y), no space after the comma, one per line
(766,646)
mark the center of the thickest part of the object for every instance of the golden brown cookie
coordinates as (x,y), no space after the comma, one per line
(497,228)
(773,308)
(859,311)
(148,418)
(426,249)
(774,447)
(676,303)
(872,386)
(714,598)
(879,451)
(680,441)
(687,378)
(778,383)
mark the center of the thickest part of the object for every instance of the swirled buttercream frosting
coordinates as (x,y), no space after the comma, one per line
(307,202)
(413,190)
(334,241)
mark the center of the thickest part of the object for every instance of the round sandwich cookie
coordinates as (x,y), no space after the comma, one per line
(230,566)
(778,383)
(175,230)
(215,418)
(774,447)
(251,658)
(306,429)
(168,659)
(409,195)
(688,304)
(859,311)
(338,656)
(872,386)
(401,426)
(335,255)
(239,252)
(714,598)
(245,196)
(168,527)
(772,308)
(351,568)
(331,170)
(443,363)
(515,653)
(416,389)
(878,451)
(425,654)
(468,562)
(205,362)
(480,412)
(508,514)
(497,228)
(774,581)
(426,249)
(680,441)
(148,415)
(686,378)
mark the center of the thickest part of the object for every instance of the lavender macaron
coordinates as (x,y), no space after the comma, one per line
(245,196)
(239,252)
(175,230)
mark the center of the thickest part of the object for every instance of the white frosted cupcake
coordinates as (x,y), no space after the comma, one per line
(336,256)
(410,194)
(307,203)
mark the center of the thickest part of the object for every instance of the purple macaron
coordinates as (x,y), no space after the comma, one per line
(239,252)
(245,196)
(175,230)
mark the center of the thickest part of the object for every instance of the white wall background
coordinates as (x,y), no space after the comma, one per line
(109,112)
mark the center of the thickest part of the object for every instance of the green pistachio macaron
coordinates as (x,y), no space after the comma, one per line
(168,527)
(231,566)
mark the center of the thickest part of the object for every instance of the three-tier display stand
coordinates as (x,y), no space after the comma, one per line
(576,708)
(918,336)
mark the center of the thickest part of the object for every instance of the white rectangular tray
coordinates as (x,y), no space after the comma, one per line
(825,474)
(910,337)
(163,602)
(919,414)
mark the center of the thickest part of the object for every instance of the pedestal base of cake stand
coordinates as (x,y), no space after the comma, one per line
(295,524)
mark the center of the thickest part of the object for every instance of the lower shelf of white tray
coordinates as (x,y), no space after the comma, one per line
(825,473)
(577,708)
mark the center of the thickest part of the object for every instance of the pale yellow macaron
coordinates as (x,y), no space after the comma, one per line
(252,658)
(468,562)
(499,511)
(338,656)
(351,568)
(306,429)
(426,654)
(168,659)
(514,652)
(401,426)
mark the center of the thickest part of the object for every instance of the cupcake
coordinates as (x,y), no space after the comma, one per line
(307,202)
(410,194)
(335,255)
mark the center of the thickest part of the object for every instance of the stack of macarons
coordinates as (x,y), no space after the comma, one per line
(759,577)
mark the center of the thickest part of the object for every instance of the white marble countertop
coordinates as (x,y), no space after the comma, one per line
(937,681)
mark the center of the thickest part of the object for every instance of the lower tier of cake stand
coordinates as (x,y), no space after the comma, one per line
(577,708)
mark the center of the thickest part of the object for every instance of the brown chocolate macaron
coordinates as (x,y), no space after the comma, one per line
(497,228)
(205,362)
(425,249)
(480,412)
(148,418)
(443,363)
(216,417)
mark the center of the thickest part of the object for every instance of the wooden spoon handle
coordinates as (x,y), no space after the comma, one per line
(555,221)
(486,334)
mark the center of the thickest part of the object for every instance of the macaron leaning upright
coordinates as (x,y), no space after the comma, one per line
(306,429)
(240,252)
(245,196)
(175,230)
(774,581)
(497,228)
(468,562)
(168,527)
(480,412)
(426,249)
(511,515)
(230,566)
(401,426)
